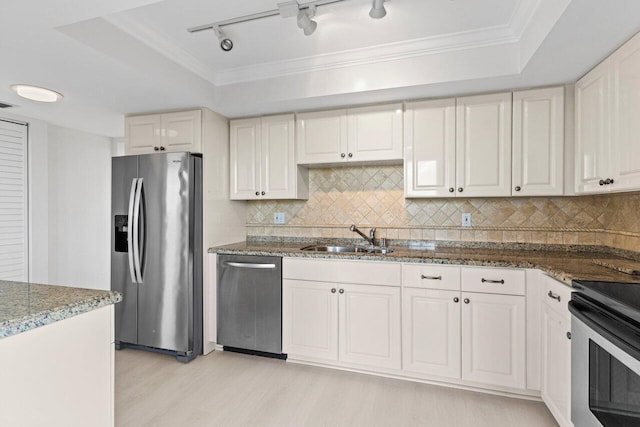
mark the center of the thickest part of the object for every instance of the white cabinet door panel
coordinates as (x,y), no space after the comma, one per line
(309,320)
(430,148)
(538,142)
(625,91)
(369,324)
(278,166)
(483,145)
(556,364)
(143,134)
(321,137)
(375,133)
(182,131)
(493,339)
(431,332)
(592,130)
(245,159)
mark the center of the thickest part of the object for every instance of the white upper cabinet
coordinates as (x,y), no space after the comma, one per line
(430,148)
(179,131)
(321,136)
(592,130)
(263,164)
(483,145)
(607,126)
(538,142)
(625,115)
(245,159)
(375,133)
(355,135)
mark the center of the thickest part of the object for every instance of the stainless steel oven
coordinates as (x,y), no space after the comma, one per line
(605,354)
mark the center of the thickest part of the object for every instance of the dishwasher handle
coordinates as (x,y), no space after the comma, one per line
(250,265)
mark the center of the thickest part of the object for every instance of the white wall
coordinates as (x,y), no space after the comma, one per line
(79,191)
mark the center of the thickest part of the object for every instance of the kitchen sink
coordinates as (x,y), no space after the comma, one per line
(346,249)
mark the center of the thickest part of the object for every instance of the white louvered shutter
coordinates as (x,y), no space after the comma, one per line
(13,202)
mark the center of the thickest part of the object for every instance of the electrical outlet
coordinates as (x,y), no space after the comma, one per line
(466,220)
(278,218)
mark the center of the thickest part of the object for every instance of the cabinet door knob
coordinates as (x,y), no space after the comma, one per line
(456,299)
(601,182)
(568,335)
(257,193)
(333,290)
(451,189)
(156,148)
(161,148)
(350,154)
(518,188)
(460,189)
(263,193)
(342,155)
(466,300)
(341,291)
(608,181)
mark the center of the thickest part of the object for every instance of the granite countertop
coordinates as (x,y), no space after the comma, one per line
(26,306)
(563,265)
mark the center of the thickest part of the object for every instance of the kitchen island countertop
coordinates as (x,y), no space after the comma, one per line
(562,265)
(26,306)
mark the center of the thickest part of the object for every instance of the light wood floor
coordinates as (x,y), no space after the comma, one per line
(229,389)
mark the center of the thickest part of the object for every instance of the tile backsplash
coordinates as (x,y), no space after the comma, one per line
(373,196)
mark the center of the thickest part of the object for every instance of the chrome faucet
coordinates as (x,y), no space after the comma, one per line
(372,234)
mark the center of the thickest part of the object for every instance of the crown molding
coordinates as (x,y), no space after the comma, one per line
(160,44)
(525,15)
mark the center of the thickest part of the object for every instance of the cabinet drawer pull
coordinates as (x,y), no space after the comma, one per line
(552,296)
(423,277)
(492,281)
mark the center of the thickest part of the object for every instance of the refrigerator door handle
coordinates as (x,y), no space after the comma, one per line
(134,186)
(136,232)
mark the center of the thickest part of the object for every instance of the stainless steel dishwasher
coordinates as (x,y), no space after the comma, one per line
(250,304)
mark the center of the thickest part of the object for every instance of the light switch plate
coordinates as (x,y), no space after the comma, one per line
(278,218)
(466,220)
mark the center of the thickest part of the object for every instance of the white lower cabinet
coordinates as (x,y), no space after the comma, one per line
(493,339)
(556,352)
(369,325)
(352,324)
(310,319)
(431,332)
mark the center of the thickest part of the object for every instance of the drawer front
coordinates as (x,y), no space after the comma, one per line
(338,271)
(504,281)
(431,276)
(557,295)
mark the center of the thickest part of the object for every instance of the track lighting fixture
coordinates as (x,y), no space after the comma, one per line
(304,21)
(288,9)
(377,9)
(226,43)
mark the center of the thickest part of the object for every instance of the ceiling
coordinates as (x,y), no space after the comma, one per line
(121,57)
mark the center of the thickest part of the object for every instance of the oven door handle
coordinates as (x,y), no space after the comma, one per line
(613,328)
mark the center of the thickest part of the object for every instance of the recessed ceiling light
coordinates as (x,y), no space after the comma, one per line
(36,93)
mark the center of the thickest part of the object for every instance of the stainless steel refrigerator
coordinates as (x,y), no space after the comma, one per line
(156,252)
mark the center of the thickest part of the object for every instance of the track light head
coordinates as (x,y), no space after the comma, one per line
(377,9)
(226,43)
(305,23)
